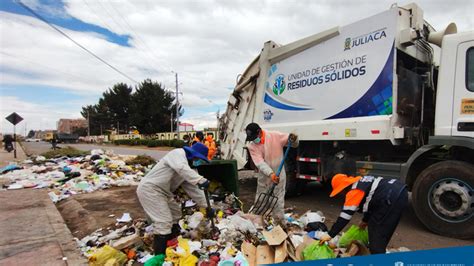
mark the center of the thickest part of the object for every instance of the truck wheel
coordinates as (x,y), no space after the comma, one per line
(443,198)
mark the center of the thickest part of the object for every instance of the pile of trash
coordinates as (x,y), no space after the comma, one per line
(66,176)
(238,238)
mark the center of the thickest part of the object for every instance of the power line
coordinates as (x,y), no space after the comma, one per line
(150,53)
(75,42)
(110,28)
(44,66)
(135,32)
(112,17)
(103,21)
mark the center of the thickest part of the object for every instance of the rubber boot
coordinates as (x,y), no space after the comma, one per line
(159,243)
(175,231)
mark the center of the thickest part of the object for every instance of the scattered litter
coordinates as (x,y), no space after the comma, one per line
(15,186)
(145,258)
(189,203)
(107,255)
(317,251)
(66,176)
(243,239)
(53,197)
(354,233)
(125,218)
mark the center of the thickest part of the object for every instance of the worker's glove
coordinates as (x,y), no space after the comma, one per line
(325,238)
(293,138)
(362,225)
(275,178)
(203,183)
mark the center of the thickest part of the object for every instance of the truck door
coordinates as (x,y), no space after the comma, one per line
(463,105)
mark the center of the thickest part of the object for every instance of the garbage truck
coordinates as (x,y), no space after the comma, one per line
(385,96)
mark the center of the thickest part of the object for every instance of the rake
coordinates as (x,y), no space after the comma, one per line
(266,202)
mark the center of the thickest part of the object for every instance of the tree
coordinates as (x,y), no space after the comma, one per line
(152,107)
(117,100)
(80,131)
(149,109)
(31,134)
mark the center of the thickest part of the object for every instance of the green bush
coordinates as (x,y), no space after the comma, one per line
(67,151)
(177,143)
(144,160)
(150,142)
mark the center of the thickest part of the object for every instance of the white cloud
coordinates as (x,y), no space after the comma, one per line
(37,116)
(202,121)
(207,42)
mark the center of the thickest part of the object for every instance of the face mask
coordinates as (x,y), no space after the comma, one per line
(257,140)
(197,163)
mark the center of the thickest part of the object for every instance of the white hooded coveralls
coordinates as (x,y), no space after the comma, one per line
(267,157)
(155,191)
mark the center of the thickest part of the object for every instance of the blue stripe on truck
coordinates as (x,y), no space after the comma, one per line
(272,102)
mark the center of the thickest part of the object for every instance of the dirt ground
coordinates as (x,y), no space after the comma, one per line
(85,213)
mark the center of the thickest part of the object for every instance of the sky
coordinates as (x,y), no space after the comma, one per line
(44,76)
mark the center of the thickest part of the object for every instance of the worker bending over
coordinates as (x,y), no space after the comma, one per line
(155,191)
(381,200)
(266,150)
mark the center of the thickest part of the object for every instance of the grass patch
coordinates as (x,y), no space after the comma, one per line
(144,160)
(67,151)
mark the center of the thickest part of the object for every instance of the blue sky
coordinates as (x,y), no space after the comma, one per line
(45,77)
(54,12)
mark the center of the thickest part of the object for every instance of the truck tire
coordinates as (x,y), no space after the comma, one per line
(443,199)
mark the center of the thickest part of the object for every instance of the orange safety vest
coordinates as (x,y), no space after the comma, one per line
(211,145)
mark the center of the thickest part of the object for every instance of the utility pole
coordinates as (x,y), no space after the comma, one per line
(171,120)
(177,105)
(118,128)
(88,124)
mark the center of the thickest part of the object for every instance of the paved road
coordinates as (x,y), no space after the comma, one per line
(40,147)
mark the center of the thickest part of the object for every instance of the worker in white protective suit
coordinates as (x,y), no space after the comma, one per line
(266,150)
(155,191)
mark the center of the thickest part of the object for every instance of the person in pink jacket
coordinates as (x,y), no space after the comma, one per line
(266,150)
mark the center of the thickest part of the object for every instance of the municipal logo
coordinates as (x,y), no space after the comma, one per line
(267,115)
(347,44)
(279,85)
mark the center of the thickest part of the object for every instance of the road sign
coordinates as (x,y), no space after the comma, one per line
(14,118)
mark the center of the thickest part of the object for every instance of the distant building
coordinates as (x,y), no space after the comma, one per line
(186,127)
(45,135)
(68,126)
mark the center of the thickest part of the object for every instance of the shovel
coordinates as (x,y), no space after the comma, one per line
(214,230)
(266,202)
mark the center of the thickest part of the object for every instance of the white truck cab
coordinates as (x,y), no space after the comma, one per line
(455,99)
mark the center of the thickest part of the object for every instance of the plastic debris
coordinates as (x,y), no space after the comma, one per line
(107,255)
(156,260)
(125,218)
(354,233)
(317,251)
(312,217)
(66,176)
